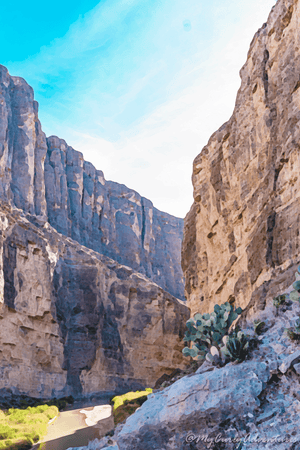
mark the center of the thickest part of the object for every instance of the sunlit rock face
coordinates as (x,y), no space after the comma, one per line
(23,146)
(73,321)
(243,227)
(47,177)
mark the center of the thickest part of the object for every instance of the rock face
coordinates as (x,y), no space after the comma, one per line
(46,177)
(255,402)
(73,321)
(243,229)
(110,218)
(23,146)
(241,243)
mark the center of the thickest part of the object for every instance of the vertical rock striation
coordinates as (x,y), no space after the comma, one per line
(46,177)
(23,146)
(87,268)
(244,225)
(110,218)
(73,321)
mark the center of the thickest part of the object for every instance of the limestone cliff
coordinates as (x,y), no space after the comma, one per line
(87,268)
(243,228)
(49,178)
(73,321)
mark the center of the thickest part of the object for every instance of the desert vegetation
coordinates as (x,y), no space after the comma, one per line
(21,428)
(126,404)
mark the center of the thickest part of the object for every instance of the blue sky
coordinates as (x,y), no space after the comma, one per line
(137,85)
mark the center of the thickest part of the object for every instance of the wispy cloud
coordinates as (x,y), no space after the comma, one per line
(171,136)
(139,86)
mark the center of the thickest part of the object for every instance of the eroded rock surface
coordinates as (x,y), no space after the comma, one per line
(243,228)
(23,146)
(110,218)
(47,177)
(73,321)
(253,402)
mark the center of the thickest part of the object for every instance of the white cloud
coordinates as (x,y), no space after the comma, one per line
(153,152)
(101,153)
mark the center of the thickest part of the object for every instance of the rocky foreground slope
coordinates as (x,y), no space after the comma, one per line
(243,228)
(253,405)
(241,244)
(48,178)
(73,321)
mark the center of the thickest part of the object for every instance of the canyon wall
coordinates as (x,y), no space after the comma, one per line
(46,177)
(241,244)
(73,321)
(88,268)
(243,229)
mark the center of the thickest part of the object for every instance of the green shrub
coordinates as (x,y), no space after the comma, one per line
(126,404)
(296,285)
(207,330)
(20,428)
(279,300)
(121,399)
(6,432)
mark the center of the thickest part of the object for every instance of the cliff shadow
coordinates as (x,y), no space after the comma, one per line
(80,437)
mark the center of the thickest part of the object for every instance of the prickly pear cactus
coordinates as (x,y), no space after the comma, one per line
(294,296)
(297,325)
(214,356)
(236,347)
(296,285)
(259,326)
(294,333)
(207,330)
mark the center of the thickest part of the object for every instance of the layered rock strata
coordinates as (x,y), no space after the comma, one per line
(243,227)
(47,177)
(73,321)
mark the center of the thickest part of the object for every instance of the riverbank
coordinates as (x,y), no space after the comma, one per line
(78,425)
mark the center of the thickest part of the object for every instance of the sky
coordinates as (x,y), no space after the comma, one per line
(138,86)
